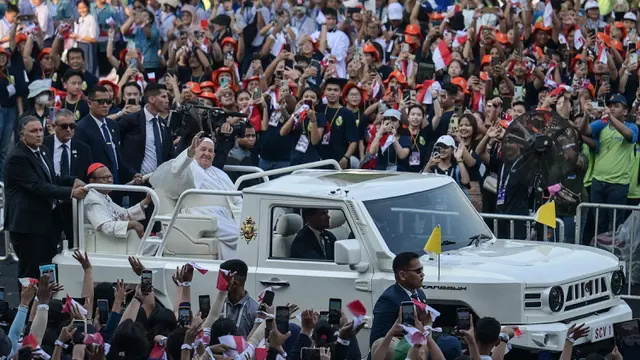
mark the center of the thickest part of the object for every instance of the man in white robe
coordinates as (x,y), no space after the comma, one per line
(193,169)
(105,215)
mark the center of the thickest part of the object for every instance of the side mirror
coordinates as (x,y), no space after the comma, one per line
(347,252)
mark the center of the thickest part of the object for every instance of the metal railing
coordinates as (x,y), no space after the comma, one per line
(178,208)
(615,240)
(8,249)
(79,210)
(528,220)
(286,170)
(246,169)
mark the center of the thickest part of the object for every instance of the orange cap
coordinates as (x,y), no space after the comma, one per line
(369,48)
(45,51)
(412,29)
(616,45)
(229,40)
(604,38)
(461,82)
(398,75)
(207,84)
(486,60)
(349,86)
(484,76)
(502,38)
(540,26)
(193,87)
(208,95)
(20,37)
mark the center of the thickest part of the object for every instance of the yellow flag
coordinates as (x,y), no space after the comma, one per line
(434,244)
(546,214)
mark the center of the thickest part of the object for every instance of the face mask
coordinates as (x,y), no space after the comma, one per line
(42,99)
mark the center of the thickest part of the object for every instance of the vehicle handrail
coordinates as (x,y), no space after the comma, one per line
(8,249)
(287,170)
(130,188)
(176,212)
(245,169)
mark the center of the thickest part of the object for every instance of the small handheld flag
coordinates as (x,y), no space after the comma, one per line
(546,214)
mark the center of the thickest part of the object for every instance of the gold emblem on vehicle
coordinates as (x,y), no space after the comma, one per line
(249,230)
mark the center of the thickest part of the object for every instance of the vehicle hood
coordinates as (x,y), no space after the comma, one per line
(532,263)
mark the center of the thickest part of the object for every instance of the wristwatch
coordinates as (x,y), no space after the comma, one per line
(504,338)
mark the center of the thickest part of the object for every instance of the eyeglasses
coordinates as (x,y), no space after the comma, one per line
(417,271)
(66,126)
(102,101)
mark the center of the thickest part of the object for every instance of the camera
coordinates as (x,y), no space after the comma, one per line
(192,117)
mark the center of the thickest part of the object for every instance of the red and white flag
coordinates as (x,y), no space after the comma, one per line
(548,78)
(547,16)
(222,284)
(442,56)
(357,309)
(237,344)
(460,39)
(424,95)
(602,54)
(578,38)
(28,281)
(414,336)
(70,302)
(158,353)
(200,269)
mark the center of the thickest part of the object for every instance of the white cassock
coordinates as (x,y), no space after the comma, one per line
(183,173)
(108,217)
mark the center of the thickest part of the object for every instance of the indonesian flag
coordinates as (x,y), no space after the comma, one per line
(386,141)
(28,281)
(93,339)
(222,283)
(478,101)
(200,269)
(442,56)
(261,353)
(375,89)
(578,38)
(547,16)
(602,54)
(406,67)
(562,39)
(548,78)
(158,352)
(358,311)
(255,118)
(70,302)
(454,9)
(460,39)
(237,344)
(414,336)
(30,341)
(203,338)
(424,95)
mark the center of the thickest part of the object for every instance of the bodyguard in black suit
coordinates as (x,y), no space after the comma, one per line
(32,190)
(313,241)
(70,158)
(102,135)
(408,273)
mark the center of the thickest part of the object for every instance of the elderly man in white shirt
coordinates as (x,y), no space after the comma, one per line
(337,42)
(193,169)
(105,215)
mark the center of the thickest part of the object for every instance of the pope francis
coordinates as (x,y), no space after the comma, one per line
(193,169)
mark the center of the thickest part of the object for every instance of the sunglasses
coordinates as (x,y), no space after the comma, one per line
(102,101)
(66,126)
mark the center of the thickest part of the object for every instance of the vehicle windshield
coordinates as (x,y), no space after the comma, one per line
(405,222)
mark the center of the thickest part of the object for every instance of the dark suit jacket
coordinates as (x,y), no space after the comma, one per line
(30,192)
(80,156)
(89,133)
(306,245)
(133,137)
(385,312)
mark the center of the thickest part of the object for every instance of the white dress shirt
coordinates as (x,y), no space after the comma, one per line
(57,154)
(86,27)
(109,141)
(338,42)
(45,20)
(149,162)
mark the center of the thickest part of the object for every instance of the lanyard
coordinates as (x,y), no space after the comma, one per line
(224,313)
(334,115)
(302,23)
(8,77)
(503,185)
(414,140)
(75,108)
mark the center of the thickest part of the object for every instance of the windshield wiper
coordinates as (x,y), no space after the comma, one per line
(476,239)
(448,242)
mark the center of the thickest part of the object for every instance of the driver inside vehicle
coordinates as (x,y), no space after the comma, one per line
(313,241)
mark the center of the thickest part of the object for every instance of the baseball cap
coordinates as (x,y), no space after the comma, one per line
(394,11)
(591,4)
(450,346)
(392,113)
(447,140)
(619,99)
(630,16)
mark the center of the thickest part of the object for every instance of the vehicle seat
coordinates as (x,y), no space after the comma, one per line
(286,230)
(193,235)
(338,225)
(99,242)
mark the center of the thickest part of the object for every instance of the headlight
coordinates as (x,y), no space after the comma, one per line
(556,298)
(617,282)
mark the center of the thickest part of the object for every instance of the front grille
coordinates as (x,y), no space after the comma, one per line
(586,292)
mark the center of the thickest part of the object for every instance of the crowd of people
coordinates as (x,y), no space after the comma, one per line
(87,89)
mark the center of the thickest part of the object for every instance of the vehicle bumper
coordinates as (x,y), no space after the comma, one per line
(551,336)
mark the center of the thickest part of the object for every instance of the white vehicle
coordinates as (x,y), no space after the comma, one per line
(542,288)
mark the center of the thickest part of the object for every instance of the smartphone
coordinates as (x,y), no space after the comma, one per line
(81,328)
(267,328)
(256,93)
(408,313)
(229,56)
(50,271)
(606,79)
(382,107)
(184,315)
(204,302)
(394,90)
(132,101)
(268,297)
(103,310)
(286,47)
(453,123)
(316,64)
(146,284)
(288,64)
(464,318)
(406,95)
(324,316)
(405,47)
(495,61)
(133,62)
(282,319)
(626,335)
(335,308)
(309,103)
(311,353)
(224,81)
(633,59)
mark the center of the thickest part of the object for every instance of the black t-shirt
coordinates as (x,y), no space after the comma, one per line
(311,154)
(80,109)
(613,84)
(185,76)
(453,172)
(274,147)
(362,122)
(419,145)
(341,130)
(512,191)
(90,80)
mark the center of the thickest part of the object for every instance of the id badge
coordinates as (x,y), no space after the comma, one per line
(11,89)
(303,144)
(326,138)
(414,158)
(500,200)
(274,120)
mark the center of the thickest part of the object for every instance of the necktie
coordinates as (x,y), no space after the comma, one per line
(110,151)
(157,140)
(64,161)
(415,296)
(43,164)
(324,240)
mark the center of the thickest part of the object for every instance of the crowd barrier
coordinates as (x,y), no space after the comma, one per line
(529,220)
(8,249)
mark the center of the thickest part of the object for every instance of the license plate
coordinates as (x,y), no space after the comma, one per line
(601,332)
